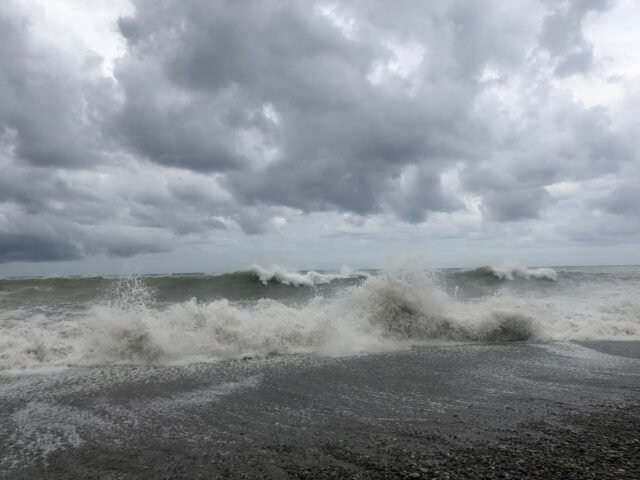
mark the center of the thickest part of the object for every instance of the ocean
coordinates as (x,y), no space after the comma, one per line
(269,373)
(61,322)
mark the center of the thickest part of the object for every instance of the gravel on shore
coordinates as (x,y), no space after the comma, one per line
(450,412)
(603,444)
(587,445)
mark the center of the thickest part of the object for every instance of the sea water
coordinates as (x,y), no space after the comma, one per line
(53,323)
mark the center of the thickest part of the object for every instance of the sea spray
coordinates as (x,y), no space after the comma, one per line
(387,311)
(512,271)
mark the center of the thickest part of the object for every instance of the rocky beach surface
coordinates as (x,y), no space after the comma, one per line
(557,410)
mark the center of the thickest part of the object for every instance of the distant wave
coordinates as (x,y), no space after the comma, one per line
(243,285)
(386,312)
(307,279)
(511,272)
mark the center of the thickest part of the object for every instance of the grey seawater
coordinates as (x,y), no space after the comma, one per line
(242,286)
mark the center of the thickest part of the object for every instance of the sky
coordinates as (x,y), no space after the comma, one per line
(195,136)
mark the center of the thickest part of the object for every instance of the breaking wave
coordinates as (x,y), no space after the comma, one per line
(511,272)
(391,311)
(307,279)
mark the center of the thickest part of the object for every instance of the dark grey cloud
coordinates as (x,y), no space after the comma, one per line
(339,141)
(22,247)
(562,35)
(569,142)
(507,198)
(516,204)
(226,116)
(623,200)
(46,107)
(54,236)
(420,187)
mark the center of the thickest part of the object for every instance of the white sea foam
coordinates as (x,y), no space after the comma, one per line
(511,271)
(41,429)
(391,311)
(308,279)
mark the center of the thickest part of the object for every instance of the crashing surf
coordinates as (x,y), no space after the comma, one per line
(388,311)
(510,272)
(297,279)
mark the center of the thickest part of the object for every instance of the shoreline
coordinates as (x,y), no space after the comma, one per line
(452,411)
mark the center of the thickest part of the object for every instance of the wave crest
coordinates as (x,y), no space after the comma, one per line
(297,279)
(512,271)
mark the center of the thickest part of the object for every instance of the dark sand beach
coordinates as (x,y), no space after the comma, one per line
(521,410)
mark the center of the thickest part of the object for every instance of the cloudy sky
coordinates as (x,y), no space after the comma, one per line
(171,135)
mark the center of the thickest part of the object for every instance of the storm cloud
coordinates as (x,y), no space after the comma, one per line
(225,119)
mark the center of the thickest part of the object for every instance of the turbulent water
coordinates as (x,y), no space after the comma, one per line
(52,323)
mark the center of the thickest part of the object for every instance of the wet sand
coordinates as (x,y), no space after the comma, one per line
(557,410)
